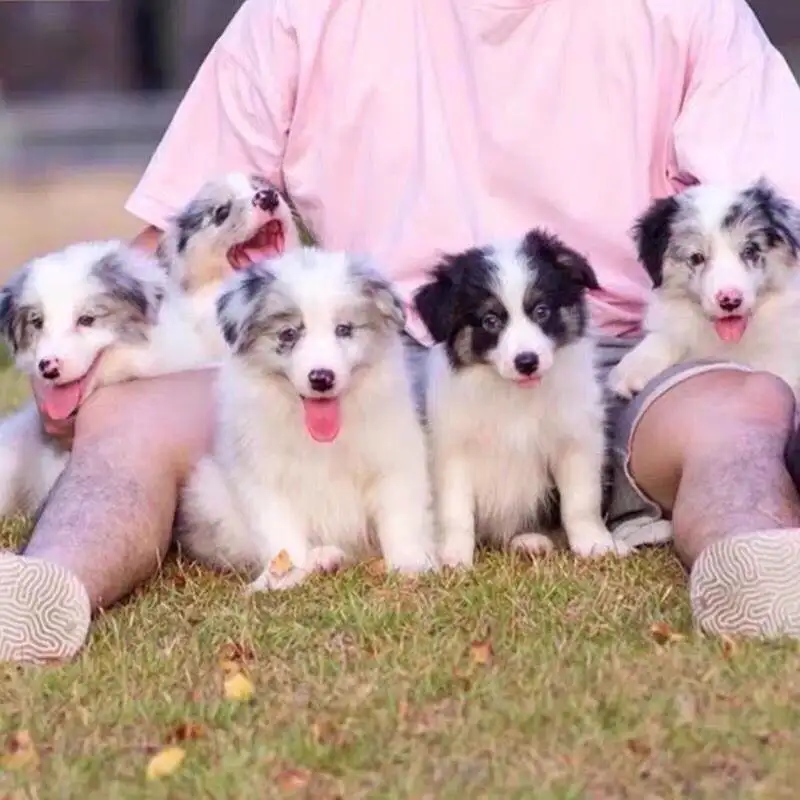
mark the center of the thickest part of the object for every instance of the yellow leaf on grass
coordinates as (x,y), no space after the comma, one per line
(481,652)
(281,564)
(238,687)
(20,752)
(290,779)
(664,634)
(728,646)
(165,762)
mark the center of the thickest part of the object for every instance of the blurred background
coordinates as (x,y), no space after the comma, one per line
(88,86)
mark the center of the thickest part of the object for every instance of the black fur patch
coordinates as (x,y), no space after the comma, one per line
(190,220)
(651,234)
(15,319)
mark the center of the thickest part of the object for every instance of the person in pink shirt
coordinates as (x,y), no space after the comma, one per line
(402,130)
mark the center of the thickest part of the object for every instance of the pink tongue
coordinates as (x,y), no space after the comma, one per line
(730,329)
(323,419)
(58,402)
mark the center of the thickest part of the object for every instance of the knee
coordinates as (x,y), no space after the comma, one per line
(161,422)
(761,400)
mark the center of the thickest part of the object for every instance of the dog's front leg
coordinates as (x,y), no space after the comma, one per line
(281,537)
(20,444)
(651,356)
(578,475)
(455,506)
(404,519)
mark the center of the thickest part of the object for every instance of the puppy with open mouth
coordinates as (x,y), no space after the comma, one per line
(318,455)
(724,266)
(515,409)
(87,316)
(232,221)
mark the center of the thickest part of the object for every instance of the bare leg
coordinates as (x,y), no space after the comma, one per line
(108,521)
(712,451)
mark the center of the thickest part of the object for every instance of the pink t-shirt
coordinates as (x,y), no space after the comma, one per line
(404,128)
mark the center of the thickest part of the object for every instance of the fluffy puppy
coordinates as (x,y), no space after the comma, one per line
(233,221)
(724,266)
(318,452)
(89,315)
(514,406)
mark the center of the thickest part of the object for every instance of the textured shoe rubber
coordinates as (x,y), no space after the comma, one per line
(749,585)
(44,611)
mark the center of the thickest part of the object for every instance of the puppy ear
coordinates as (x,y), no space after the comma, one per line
(578,268)
(435,302)
(11,325)
(539,243)
(651,234)
(133,285)
(382,293)
(781,216)
(240,304)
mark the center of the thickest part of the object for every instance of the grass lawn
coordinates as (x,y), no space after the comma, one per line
(548,679)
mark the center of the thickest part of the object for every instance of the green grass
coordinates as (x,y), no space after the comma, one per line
(368,686)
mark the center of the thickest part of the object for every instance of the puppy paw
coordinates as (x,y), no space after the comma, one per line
(594,542)
(457,555)
(412,563)
(531,544)
(327,558)
(635,371)
(269,582)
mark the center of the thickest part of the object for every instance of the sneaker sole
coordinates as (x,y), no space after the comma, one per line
(749,585)
(44,611)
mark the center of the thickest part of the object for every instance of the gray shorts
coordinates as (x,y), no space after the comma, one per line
(632,516)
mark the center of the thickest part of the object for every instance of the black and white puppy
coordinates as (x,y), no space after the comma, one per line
(90,315)
(318,451)
(232,221)
(724,266)
(515,409)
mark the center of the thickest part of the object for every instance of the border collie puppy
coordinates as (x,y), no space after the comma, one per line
(724,266)
(319,456)
(92,314)
(515,409)
(233,220)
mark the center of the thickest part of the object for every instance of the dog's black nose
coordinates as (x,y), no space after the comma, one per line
(526,363)
(321,380)
(266,199)
(730,304)
(49,368)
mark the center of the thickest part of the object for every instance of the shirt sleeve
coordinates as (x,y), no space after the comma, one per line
(740,118)
(235,115)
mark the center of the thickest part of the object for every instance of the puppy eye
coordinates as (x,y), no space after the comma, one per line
(541,313)
(36,322)
(221,213)
(696,260)
(491,322)
(344,330)
(288,335)
(86,321)
(751,252)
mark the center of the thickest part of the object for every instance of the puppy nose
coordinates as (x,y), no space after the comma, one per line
(50,368)
(729,299)
(321,380)
(526,363)
(266,199)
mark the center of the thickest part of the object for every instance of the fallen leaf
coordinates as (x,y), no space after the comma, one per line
(186,732)
(481,652)
(290,779)
(639,748)
(664,634)
(281,564)
(20,752)
(376,568)
(728,646)
(165,762)
(238,687)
